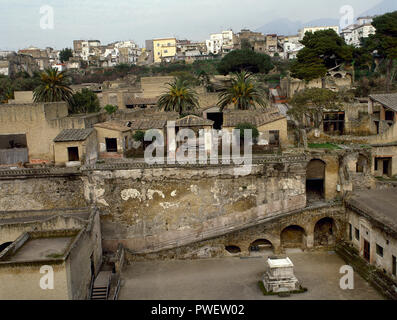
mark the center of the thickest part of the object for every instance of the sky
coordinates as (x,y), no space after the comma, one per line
(113,20)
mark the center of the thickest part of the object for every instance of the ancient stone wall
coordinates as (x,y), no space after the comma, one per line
(41,192)
(270,231)
(154,208)
(159,208)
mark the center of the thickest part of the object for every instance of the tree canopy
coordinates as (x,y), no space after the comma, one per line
(179,97)
(53,87)
(244,93)
(384,42)
(85,101)
(323,50)
(311,103)
(65,54)
(245,60)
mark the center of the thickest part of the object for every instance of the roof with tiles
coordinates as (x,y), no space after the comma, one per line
(193,121)
(256,118)
(116,125)
(387,100)
(146,124)
(73,135)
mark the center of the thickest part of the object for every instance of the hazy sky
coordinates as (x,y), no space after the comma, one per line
(110,20)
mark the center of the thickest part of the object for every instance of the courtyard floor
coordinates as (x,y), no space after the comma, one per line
(237,279)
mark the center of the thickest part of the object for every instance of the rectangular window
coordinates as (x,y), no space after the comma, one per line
(376,164)
(379,250)
(357,234)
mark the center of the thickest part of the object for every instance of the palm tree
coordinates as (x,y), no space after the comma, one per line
(53,87)
(244,93)
(179,97)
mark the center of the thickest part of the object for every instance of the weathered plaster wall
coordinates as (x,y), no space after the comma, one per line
(22,282)
(38,193)
(153,209)
(87,249)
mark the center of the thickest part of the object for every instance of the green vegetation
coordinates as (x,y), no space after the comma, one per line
(327,145)
(179,97)
(245,93)
(384,179)
(245,60)
(110,109)
(248,126)
(21,82)
(53,87)
(384,43)
(65,54)
(311,104)
(323,50)
(55,255)
(85,101)
(139,136)
(99,75)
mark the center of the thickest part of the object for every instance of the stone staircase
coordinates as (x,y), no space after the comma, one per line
(100,289)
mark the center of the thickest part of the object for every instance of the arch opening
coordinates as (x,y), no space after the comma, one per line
(4,246)
(233,249)
(325,232)
(293,237)
(315,181)
(261,246)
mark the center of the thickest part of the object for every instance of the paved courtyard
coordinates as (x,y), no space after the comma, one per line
(235,278)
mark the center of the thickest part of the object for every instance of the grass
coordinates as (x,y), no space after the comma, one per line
(327,145)
(55,255)
(281,294)
(387,179)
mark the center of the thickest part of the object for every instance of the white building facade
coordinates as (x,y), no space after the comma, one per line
(220,43)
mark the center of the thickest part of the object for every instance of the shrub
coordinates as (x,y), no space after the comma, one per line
(110,109)
(85,101)
(248,126)
(139,136)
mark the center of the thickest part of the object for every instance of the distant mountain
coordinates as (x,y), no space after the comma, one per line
(285,26)
(282,26)
(381,8)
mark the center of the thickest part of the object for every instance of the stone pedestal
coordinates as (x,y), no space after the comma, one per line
(279,276)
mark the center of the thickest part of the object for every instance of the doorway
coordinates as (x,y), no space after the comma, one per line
(387,167)
(217,117)
(73,154)
(367,251)
(315,179)
(111,144)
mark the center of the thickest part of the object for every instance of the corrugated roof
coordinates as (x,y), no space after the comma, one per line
(388,100)
(256,118)
(73,135)
(193,121)
(117,125)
